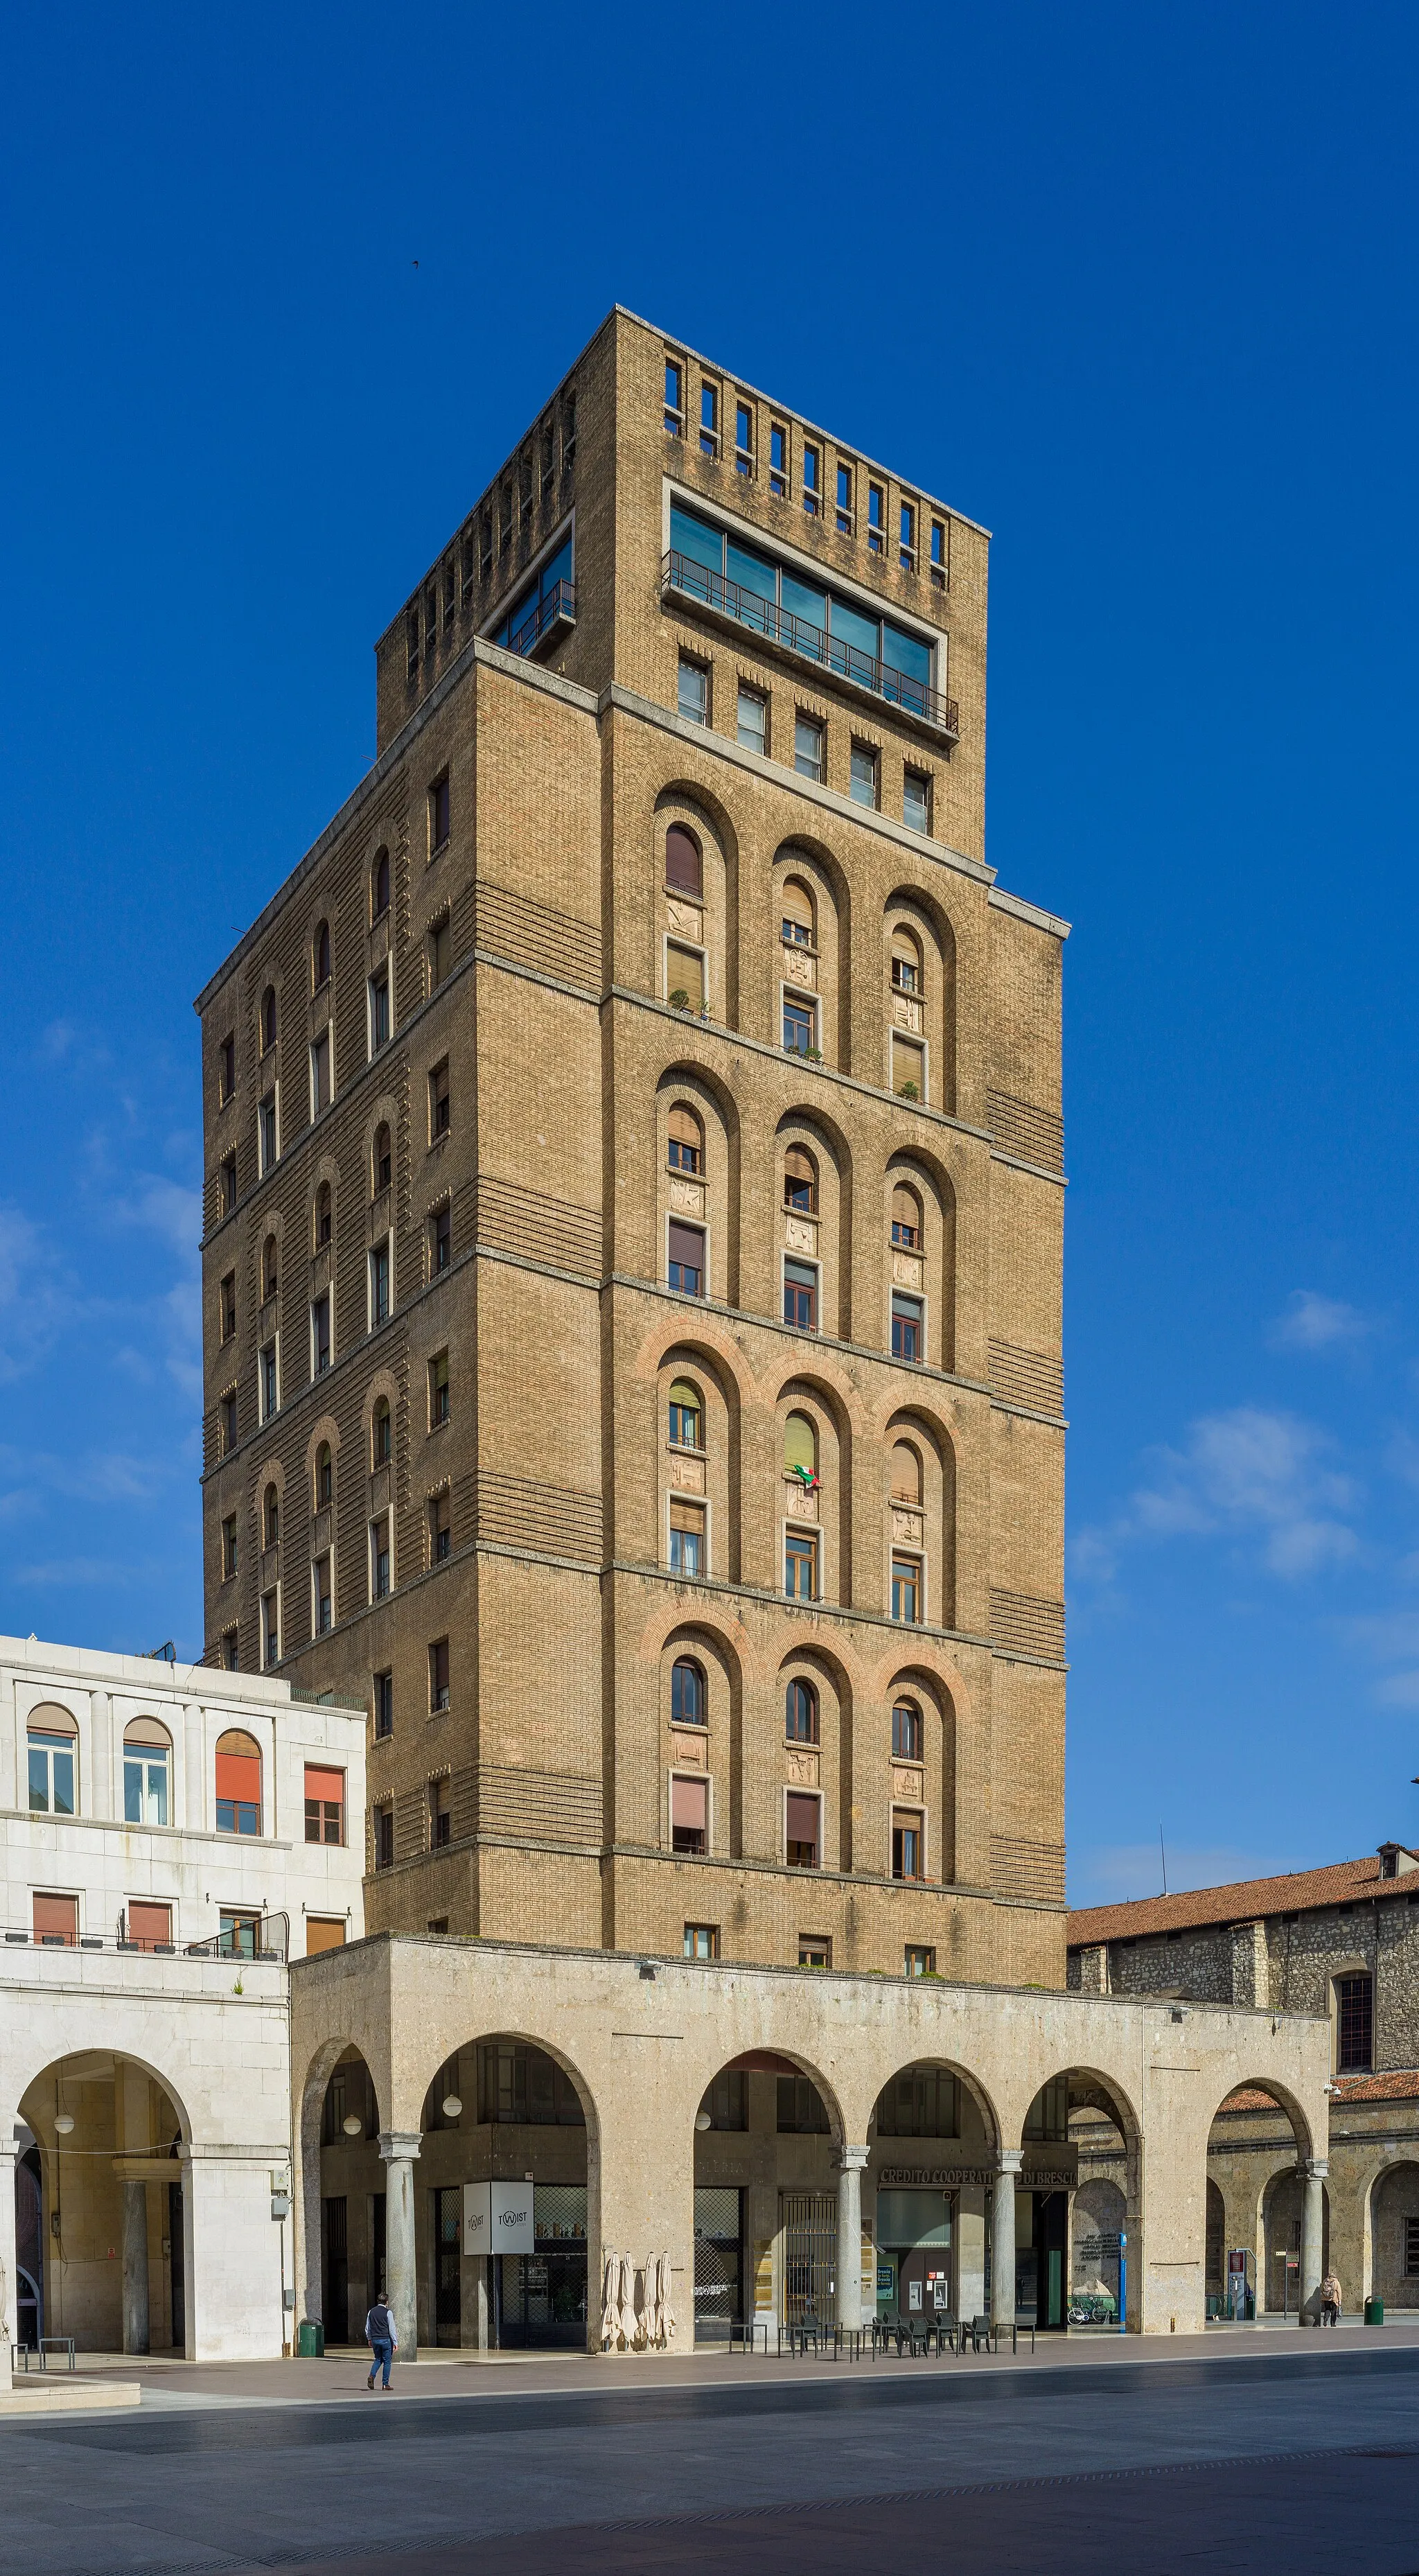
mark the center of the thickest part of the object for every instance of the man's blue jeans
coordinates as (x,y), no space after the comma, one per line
(383,2352)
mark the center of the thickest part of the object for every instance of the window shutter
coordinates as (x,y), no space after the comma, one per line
(687,1244)
(796,907)
(800,1444)
(689,1804)
(322,1936)
(326,1785)
(904,1207)
(149,1922)
(146,1730)
(683,866)
(686,1516)
(802,1818)
(685,972)
(56,1918)
(906,1474)
(684,1127)
(798,1165)
(239,1777)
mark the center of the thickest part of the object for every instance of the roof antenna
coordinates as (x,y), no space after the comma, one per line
(1164,1855)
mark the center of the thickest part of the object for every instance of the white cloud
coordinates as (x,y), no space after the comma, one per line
(1249,1474)
(1315,1323)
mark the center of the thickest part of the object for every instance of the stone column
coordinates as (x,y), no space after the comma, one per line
(1002,2239)
(135,2266)
(1314,2171)
(9,2281)
(851,2161)
(400,2148)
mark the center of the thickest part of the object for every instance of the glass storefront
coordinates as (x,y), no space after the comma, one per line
(541,2297)
(914,2253)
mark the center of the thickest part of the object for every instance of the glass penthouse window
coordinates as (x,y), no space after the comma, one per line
(540,605)
(741,582)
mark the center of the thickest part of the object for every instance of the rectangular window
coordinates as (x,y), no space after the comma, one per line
(230,1655)
(229,1548)
(800,1565)
(687,1540)
(752,721)
(906,537)
(384,1838)
(907,1843)
(324,1608)
(1354,1999)
(411,643)
(812,492)
(803,1828)
(906,1327)
(916,801)
(440,1240)
(440,952)
(379,1286)
(266,1130)
(270,1628)
(702,1942)
(440,1117)
(800,1295)
(687,1259)
(693,691)
(440,1529)
(485,547)
(908,1069)
(438,814)
(438,1674)
(431,619)
(379,1010)
(268,1382)
(228,1305)
(709,419)
(684,977)
(384,1704)
(743,439)
(906,1732)
(229,1185)
(810,757)
(876,519)
(919,1961)
(450,582)
(440,1814)
(229,1425)
(438,1390)
(844,509)
(939,557)
(226,1069)
(56,1922)
(800,1025)
(906,1588)
(674,398)
(468,582)
(864,774)
(145,1784)
(689,1815)
(778,460)
(815,1950)
(51,1774)
(379,1558)
(320,1336)
(147,1926)
(324,1805)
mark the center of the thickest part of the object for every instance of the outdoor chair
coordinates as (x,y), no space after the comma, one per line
(979,2334)
(947,2330)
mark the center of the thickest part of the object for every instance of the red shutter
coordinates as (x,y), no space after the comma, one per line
(239,1777)
(689,1804)
(57,1917)
(802,1818)
(149,1923)
(327,1785)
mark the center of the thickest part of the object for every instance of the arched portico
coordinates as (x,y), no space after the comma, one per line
(99,2205)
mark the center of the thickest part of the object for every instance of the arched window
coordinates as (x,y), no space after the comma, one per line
(270,1268)
(147,1773)
(320,955)
(800,1181)
(379,885)
(238,1783)
(684,867)
(800,1713)
(324,1216)
(687,1429)
(687,1141)
(906,1474)
(53,1760)
(268,1018)
(906,964)
(381,1161)
(796,914)
(800,1451)
(906,1219)
(381,1435)
(906,1731)
(270,1517)
(687,1694)
(324,1476)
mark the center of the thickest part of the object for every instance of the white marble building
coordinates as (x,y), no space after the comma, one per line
(169,1837)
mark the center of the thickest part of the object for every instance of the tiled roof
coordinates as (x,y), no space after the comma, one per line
(1242,1903)
(1400,2084)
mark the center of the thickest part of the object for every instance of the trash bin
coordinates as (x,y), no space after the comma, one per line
(1374,2312)
(310,2340)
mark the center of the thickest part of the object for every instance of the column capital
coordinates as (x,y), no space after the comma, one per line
(1316,2168)
(1011,2160)
(395,2144)
(852,2159)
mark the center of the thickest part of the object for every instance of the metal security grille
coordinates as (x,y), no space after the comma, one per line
(809,2222)
(719,2297)
(1355,1998)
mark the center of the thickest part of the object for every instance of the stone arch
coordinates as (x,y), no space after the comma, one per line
(1391,2208)
(930,1527)
(832,1222)
(703,1481)
(710,1199)
(826,1510)
(711,919)
(310,2125)
(823,970)
(1080,2117)
(931,926)
(714,1747)
(114,2104)
(916,1683)
(928,1268)
(824,1763)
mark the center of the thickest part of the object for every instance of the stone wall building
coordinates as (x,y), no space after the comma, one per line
(1340,1942)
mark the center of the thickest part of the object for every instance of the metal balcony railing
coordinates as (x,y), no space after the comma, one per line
(681,575)
(554,613)
(268,1939)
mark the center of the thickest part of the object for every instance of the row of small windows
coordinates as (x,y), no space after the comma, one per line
(502,521)
(754,731)
(53,1761)
(859,498)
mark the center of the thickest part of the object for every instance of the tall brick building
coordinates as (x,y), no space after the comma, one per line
(633,1230)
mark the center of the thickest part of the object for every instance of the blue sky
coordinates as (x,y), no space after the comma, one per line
(1136,288)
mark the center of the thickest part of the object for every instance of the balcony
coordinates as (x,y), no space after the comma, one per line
(681,578)
(547,620)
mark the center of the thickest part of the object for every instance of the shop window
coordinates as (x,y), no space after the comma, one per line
(687,1693)
(687,1421)
(800,1713)
(686,1150)
(800,1182)
(906,1731)
(689,1815)
(684,864)
(324,1805)
(803,1826)
(238,1783)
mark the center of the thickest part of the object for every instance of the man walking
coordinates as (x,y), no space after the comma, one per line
(1330,2300)
(382,2338)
